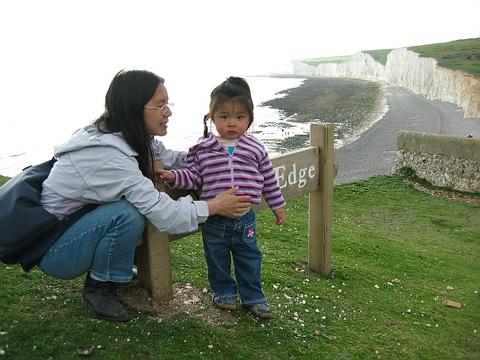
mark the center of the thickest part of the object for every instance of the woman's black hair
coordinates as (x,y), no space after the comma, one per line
(128,93)
(232,89)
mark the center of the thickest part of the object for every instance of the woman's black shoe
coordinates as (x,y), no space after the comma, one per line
(100,299)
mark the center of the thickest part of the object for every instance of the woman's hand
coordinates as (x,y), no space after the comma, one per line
(227,204)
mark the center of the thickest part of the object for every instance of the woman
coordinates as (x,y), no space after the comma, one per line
(110,163)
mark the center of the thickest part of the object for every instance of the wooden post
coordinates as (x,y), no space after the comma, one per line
(153,259)
(320,215)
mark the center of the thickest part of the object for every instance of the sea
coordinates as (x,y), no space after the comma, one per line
(34,142)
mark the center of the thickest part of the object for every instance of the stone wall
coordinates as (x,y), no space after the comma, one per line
(445,161)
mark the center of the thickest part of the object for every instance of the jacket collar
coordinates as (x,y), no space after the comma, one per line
(211,143)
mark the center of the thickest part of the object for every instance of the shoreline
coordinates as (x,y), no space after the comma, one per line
(358,151)
(374,151)
(353,106)
(371,149)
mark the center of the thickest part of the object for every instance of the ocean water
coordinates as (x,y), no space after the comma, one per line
(32,140)
(186,123)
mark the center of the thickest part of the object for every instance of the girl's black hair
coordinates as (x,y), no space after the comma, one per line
(128,93)
(232,89)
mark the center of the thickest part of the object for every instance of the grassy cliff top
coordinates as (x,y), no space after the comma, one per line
(379,55)
(462,55)
(326,60)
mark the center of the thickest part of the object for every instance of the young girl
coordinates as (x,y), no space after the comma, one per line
(215,164)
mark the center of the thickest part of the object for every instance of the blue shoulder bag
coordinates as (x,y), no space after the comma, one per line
(27,230)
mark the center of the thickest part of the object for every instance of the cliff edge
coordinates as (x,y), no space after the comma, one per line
(407,69)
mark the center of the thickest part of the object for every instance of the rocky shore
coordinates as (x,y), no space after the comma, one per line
(351,105)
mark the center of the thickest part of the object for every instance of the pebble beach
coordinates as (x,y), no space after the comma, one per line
(368,120)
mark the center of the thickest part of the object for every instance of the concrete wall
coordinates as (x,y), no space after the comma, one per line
(445,161)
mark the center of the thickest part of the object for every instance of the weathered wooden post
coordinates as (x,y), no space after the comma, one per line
(153,258)
(320,215)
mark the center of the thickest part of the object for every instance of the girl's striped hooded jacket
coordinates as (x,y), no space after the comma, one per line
(212,170)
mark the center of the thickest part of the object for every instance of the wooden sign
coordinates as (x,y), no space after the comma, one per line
(296,172)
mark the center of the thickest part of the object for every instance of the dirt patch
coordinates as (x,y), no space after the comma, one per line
(447,194)
(186,300)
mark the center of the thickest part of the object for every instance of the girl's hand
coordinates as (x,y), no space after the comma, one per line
(227,204)
(280,215)
(165,176)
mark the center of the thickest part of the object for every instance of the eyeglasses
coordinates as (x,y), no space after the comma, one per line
(164,109)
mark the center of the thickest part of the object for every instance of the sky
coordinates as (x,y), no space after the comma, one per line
(243,36)
(57,55)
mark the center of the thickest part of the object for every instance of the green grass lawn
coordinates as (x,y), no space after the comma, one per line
(397,254)
(379,55)
(463,55)
(327,60)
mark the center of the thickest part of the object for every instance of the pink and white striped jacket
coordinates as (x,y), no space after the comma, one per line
(212,170)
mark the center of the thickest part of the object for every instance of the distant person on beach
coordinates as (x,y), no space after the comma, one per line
(111,163)
(215,164)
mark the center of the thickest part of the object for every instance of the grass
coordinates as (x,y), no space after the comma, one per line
(327,60)
(462,55)
(379,55)
(397,253)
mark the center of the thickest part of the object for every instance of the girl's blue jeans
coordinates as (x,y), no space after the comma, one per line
(101,242)
(226,238)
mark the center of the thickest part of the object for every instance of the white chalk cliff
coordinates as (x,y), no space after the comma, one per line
(407,69)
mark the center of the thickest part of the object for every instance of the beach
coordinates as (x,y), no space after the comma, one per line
(367,117)
(284,106)
(351,105)
(31,140)
(372,151)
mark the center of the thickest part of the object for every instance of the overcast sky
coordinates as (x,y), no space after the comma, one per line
(54,53)
(243,35)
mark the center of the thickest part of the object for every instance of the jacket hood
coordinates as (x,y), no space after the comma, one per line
(210,143)
(89,136)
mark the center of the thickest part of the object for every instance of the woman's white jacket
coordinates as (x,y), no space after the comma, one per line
(93,167)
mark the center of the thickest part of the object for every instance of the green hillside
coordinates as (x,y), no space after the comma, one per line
(462,55)
(326,60)
(379,55)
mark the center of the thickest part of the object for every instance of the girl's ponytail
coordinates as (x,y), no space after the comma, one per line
(205,127)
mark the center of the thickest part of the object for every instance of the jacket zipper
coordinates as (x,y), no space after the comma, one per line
(230,164)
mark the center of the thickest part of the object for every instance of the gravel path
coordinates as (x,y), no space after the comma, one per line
(374,152)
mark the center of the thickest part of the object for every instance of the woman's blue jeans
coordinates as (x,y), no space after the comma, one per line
(225,238)
(101,242)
